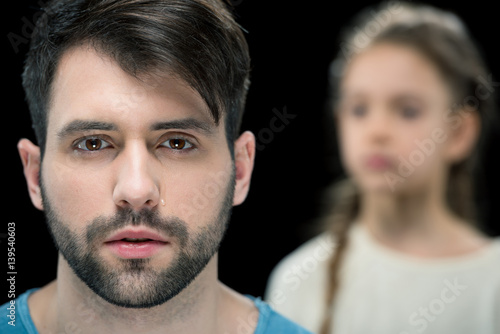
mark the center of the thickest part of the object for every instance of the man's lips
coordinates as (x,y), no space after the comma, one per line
(135,244)
(136,234)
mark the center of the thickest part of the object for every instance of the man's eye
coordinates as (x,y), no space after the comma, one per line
(177,144)
(91,144)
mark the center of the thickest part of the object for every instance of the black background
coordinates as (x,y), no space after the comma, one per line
(291,45)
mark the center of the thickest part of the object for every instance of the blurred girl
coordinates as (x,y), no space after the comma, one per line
(402,252)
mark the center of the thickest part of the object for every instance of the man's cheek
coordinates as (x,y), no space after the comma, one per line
(77,196)
(191,204)
(200,200)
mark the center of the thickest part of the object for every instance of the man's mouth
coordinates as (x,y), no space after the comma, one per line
(136,243)
(136,235)
(136,239)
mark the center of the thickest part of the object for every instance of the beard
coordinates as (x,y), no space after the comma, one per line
(134,283)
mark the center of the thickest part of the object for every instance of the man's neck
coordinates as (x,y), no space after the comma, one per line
(69,305)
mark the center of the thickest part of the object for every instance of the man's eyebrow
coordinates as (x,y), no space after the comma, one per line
(84,125)
(184,124)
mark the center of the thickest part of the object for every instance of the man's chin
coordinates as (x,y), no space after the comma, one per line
(137,283)
(133,285)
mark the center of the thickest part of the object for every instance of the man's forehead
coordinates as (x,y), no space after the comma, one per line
(84,125)
(88,84)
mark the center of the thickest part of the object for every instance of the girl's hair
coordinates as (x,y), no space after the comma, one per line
(443,39)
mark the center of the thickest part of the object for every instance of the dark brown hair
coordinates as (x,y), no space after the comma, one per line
(443,39)
(195,40)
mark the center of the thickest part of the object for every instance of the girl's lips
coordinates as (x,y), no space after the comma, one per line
(378,162)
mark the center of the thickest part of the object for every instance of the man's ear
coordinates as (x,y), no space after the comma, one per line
(30,157)
(463,136)
(244,156)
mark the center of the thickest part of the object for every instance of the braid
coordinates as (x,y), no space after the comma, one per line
(338,222)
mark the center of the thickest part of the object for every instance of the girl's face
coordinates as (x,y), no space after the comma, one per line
(394,119)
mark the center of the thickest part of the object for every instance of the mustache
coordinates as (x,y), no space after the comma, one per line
(102,226)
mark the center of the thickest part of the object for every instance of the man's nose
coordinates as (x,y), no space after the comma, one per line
(137,186)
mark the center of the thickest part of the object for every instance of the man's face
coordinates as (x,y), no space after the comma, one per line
(137,180)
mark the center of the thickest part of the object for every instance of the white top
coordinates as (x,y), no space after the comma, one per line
(383,291)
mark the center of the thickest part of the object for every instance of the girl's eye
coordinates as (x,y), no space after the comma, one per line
(92,144)
(359,110)
(177,144)
(410,112)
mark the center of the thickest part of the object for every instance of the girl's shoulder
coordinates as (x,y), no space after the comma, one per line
(310,257)
(300,279)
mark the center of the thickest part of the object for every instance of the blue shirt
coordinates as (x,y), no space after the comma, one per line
(18,313)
